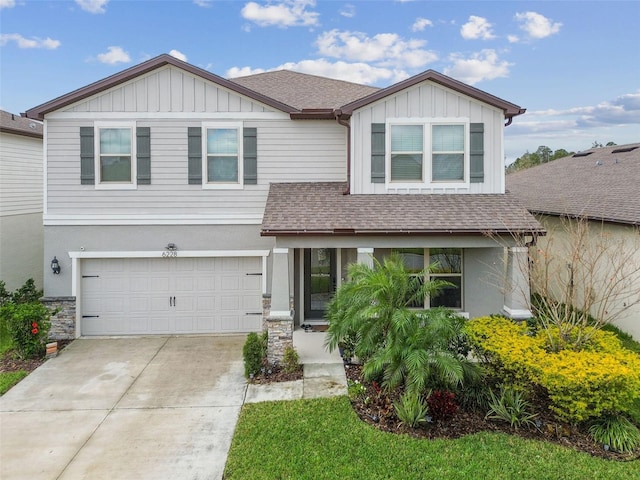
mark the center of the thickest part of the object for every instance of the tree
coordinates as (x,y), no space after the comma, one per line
(582,277)
(408,347)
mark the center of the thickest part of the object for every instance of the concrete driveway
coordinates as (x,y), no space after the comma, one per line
(126,408)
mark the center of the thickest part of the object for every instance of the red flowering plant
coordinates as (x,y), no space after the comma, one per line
(28,326)
(442,404)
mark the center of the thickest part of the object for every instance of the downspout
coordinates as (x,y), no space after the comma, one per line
(345,123)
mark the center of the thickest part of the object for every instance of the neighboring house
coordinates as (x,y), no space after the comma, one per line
(600,185)
(182,202)
(21,231)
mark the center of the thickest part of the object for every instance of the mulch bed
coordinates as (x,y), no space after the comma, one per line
(379,412)
(10,363)
(277,374)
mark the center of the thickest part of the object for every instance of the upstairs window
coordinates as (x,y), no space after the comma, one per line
(407,153)
(115,155)
(447,153)
(222,155)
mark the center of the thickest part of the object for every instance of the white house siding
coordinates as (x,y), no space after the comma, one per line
(167,89)
(21,231)
(428,100)
(20,174)
(295,151)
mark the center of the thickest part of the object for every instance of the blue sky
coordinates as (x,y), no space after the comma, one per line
(575,65)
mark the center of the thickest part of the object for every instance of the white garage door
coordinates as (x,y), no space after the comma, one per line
(142,296)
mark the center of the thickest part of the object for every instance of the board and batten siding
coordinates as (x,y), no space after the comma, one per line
(167,89)
(20,175)
(288,151)
(425,101)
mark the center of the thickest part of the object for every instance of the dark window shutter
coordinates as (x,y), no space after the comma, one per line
(195,155)
(377,152)
(87,156)
(143,155)
(250,153)
(477,152)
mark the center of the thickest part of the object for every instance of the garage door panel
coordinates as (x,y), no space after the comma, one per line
(135,296)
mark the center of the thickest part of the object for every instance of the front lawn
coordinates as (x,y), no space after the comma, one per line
(9,379)
(324,439)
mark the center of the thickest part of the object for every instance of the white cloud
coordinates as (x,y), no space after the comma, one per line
(114,55)
(513,38)
(7,4)
(287,13)
(477,28)
(537,26)
(178,54)
(351,72)
(93,6)
(483,65)
(348,11)
(33,42)
(203,3)
(383,49)
(420,24)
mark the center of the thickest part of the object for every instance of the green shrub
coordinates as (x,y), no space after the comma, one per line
(617,432)
(253,352)
(28,327)
(411,409)
(601,378)
(290,359)
(28,293)
(511,406)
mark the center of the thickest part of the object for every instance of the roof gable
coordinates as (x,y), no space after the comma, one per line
(131,73)
(510,109)
(597,184)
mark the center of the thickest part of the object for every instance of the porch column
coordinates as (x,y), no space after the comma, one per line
(279,322)
(365,256)
(517,295)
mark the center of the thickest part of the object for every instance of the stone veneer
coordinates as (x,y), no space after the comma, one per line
(63,323)
(279,331)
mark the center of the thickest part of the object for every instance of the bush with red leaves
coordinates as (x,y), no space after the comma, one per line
(442,405)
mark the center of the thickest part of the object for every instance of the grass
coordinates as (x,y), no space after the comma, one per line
(9,379)
(324,439)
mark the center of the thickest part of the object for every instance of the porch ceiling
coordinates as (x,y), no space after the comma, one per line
(323,209)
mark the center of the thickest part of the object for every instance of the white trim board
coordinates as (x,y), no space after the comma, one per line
(179,253)
(177,219)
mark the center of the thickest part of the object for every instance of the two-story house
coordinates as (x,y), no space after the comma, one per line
(178,201)
(21,233)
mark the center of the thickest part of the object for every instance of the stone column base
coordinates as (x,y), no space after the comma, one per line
(280,336)
(63,323)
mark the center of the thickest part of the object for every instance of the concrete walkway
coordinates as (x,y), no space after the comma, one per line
(143,408)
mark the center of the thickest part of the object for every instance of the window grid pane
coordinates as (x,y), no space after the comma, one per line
(115,168)
(448,138)
(406,138)
(222,169)
(115,141)
(448,166)
(221,141)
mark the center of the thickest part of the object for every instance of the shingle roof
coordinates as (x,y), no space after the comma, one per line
(600,184)
(11,123)
(322,209)
(303,91)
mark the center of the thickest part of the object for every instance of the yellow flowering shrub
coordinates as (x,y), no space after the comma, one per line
(601,378)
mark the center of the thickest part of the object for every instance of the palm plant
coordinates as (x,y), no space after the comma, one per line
(406,346)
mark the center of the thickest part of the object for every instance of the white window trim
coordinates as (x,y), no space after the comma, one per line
(239,185)
(427,163)
(134,163)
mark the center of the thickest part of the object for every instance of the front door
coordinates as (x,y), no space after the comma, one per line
(319,281)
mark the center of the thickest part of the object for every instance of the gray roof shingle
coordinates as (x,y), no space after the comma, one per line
(11,123)
(303,91)
(601,184)
(321,209)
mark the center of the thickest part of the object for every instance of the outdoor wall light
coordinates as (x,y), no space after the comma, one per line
(171,247)
(55,266)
